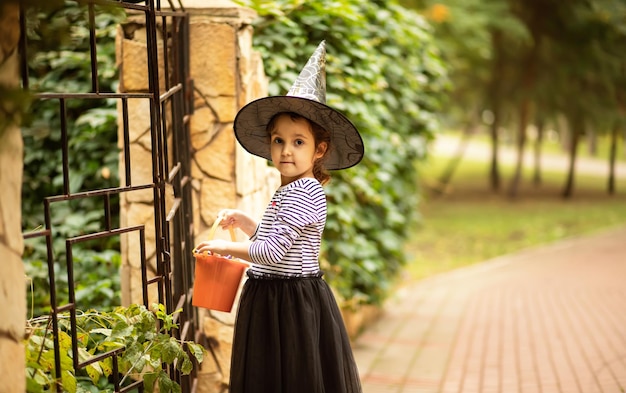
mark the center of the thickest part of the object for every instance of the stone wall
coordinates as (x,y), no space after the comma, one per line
(12,279)
(227,74)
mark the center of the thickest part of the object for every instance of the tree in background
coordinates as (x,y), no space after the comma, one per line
(541,60)
(479,40)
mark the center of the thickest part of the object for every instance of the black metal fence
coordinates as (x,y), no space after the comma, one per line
(170,147)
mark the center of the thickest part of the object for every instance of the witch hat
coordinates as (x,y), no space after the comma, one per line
(306,97)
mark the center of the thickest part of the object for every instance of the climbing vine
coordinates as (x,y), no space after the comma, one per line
(385,73)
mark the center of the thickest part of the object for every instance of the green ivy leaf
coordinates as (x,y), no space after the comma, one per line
(83,354)
(196,350)
(109,345)
(149,379)
(42,341)
(166,385)
(140,363)
(35,385)
(69,381)
(107,366)
(185,366)
(103,331)
(132,354)
(155,354)
(47,360)
(94,371)
(121,330)
(170,350)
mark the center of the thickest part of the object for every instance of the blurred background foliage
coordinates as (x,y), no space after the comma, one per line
(517,65)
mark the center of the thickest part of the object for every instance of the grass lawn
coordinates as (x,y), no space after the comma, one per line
(469,223)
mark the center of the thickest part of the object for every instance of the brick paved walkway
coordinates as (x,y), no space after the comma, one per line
(546,320)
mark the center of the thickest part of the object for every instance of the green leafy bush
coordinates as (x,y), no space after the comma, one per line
(96,281)
(143,334)
(385,74)
(59,61)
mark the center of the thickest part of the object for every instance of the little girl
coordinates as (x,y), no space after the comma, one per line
(289,335)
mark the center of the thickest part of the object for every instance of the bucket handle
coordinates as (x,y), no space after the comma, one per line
(217,221)
(214,227)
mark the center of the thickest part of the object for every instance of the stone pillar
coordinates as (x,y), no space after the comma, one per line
(137,207)
(12,280)
(227,74)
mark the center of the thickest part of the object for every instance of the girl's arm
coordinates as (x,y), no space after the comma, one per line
(237,219)
(224,247)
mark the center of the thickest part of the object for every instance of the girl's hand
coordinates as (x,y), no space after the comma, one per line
(237,219)
(216,246)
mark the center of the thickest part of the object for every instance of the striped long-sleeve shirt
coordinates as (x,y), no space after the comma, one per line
(288,238)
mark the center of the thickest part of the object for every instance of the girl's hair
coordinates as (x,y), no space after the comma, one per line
(320,135)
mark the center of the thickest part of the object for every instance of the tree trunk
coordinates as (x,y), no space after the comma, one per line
(528,81)
(521,144)
(612,158)
(592,140)
(538,145)
(576,130)
(494,101)
(564,131)
(494,169)
(624,142)
(453,164)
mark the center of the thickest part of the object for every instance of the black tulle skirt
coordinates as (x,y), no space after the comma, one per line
(290,338)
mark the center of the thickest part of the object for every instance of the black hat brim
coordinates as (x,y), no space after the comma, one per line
(251,128)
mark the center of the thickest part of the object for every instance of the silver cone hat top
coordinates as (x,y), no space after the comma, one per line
(311,82)
(306,97)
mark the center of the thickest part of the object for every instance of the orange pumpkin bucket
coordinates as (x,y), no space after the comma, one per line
(217,278)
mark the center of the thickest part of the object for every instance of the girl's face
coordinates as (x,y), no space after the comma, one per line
(293,148)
